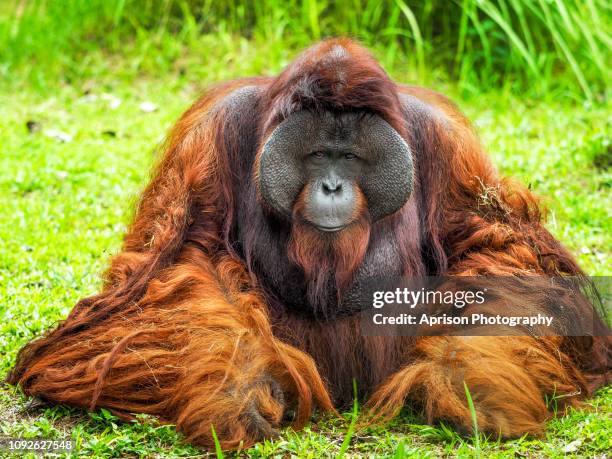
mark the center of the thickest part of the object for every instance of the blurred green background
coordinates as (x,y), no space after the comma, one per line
(88,90)
(538,46)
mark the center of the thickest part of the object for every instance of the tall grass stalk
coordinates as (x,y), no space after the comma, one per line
(351,428)
(218,449)
(475,433)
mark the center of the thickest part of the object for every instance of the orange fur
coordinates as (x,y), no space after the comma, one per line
(184,330)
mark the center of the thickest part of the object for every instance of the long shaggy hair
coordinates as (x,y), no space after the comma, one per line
(202,321)
(328,260)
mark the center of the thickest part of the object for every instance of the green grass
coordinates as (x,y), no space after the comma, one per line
(64,206)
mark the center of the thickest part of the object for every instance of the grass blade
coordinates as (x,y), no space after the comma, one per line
(416,36)
(351,429)
(474,419)
(400,451)
(492,11)
(218,450)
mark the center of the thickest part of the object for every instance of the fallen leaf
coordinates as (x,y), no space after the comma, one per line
(148,107)
(113,101)
(58,135)
(89,98)
(572,447)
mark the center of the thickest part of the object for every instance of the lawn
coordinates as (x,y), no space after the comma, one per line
(78,136)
